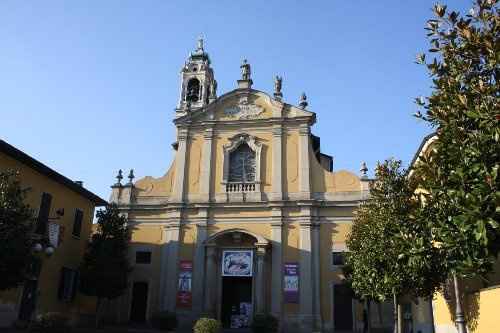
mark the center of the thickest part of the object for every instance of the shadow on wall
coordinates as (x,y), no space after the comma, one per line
(470,305)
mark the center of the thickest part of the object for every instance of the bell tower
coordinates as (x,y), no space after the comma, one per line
(198,85)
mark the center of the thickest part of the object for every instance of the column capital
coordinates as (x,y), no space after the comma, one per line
(304,129)
(183,134)
(173,225)
(210,245)
(278,130)
(306,224)
(201,225)
(277,224)
(208,133)
(211,250)
(261,249)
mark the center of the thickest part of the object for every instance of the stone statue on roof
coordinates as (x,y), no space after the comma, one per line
(245,70)
(277,84)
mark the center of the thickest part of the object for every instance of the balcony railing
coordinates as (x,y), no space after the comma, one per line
(240,187)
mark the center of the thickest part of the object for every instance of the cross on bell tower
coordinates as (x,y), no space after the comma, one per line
(198,85)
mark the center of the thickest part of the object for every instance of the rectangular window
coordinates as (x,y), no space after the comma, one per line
(43,214)
(143,257)
(338,258)
(77,223)
(68,284)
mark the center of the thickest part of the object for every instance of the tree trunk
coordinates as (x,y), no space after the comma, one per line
(459,314)
(97,310)
(400,317)
(395,312)
(368,316)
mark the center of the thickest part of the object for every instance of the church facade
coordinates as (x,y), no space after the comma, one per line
(249,219)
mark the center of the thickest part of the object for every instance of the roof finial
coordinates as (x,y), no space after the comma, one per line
(303,101)
(364,171)
(119,178)
(200,43)
(131,177)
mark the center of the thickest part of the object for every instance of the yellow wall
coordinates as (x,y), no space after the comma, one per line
(194,163)
(481,311)
(485,306)
(149,186)
(69,253)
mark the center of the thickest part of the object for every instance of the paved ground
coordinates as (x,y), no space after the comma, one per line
(121,330)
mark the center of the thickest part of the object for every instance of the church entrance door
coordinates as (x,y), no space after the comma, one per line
(236,301)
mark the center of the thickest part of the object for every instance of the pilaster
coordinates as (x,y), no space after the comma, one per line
(277,263)
(209,307)
(305,287)
(304,163)
(180,166)
(164,268)
(277,168)
(173,265)
(260,283)
(206,165)
(199,267)
(316,278)
(305,274)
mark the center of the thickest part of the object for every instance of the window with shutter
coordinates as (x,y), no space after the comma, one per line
(77,223)
(43,214)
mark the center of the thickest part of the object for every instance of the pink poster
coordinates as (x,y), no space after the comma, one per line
(184,294)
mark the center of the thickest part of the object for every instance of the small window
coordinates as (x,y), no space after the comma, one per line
(43,214)
(338,258)
(143,257)
(68,284)
(77,223)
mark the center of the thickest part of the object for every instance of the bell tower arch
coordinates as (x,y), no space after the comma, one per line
(198,85)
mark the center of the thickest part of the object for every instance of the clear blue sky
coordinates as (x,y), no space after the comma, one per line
(88,87)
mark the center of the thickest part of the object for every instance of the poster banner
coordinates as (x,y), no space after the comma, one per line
(237,263)
(184,294)
(291,285)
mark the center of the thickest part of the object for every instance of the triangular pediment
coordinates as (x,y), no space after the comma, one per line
(241,105)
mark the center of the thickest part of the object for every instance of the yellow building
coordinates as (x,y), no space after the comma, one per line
(64,212)
(480,298)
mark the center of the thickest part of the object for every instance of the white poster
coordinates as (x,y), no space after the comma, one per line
(237,263)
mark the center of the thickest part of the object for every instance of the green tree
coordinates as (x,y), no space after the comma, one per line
(16,220)
(390,252)
(105,268)
(460,172)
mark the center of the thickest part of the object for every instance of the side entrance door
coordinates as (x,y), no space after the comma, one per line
(28,300)
(139,302)
(342,308)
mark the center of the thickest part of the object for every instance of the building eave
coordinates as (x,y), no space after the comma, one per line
(36,165)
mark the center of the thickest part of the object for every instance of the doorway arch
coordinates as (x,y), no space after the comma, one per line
(226,243)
